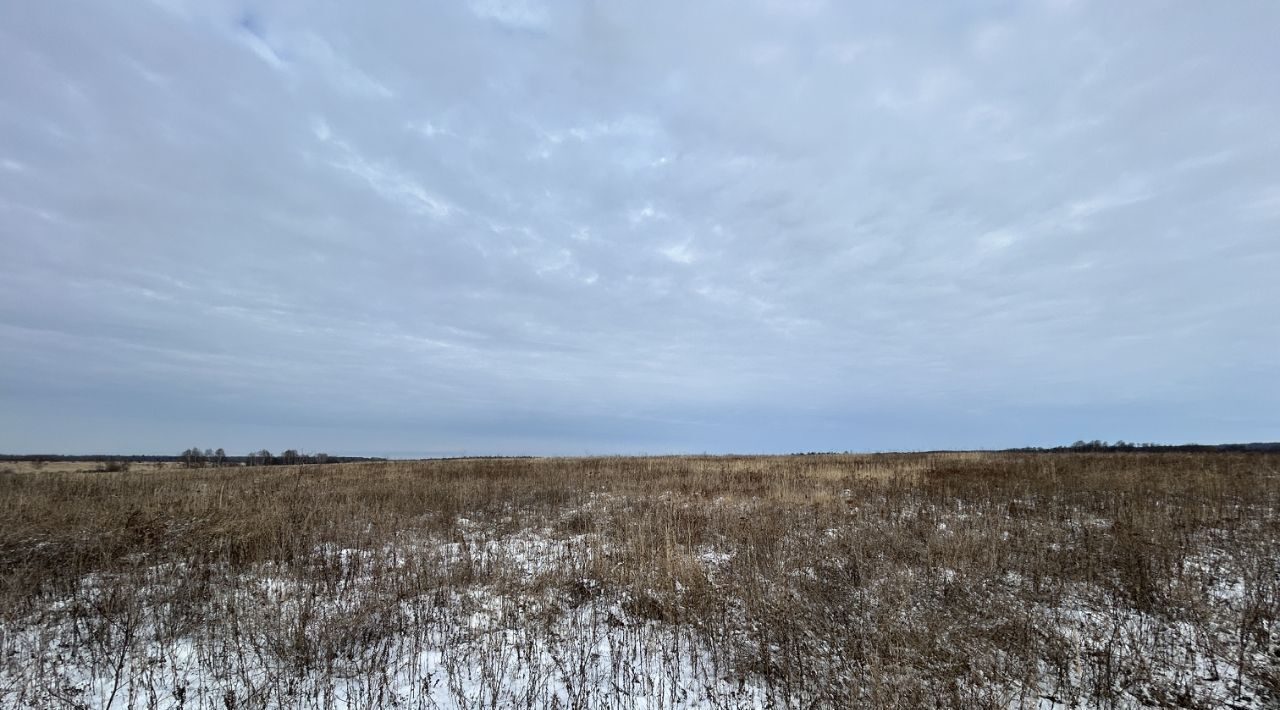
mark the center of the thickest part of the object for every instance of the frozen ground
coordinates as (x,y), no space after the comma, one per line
(477,646)
(517,640)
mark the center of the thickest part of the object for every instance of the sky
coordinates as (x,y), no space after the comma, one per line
(527,227)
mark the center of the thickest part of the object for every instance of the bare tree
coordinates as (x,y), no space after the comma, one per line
(261,457)
(193,457)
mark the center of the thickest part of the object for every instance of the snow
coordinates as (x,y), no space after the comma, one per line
(478,646)
(510,630)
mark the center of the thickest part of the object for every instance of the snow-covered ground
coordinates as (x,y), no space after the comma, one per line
(513,639)
(513,644)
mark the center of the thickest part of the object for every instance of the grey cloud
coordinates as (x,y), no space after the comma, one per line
(520,226)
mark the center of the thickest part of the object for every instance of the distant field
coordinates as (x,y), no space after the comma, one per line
(889,581)
(29,466)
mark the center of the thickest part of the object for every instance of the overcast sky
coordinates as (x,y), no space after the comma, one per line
(515,226)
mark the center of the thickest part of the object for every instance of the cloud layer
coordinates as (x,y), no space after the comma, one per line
(537,227)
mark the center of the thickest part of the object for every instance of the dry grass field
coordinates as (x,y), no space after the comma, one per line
(33,466)
(884,581)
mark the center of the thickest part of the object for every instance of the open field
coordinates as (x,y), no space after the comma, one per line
(930,580)
(32,466)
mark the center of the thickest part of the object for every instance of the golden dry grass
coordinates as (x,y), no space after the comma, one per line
(35,466)
(954,580)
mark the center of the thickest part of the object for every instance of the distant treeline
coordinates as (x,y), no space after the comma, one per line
(200,458)
(197,458)
(1098,445)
